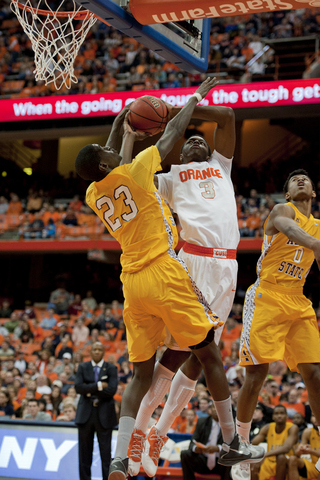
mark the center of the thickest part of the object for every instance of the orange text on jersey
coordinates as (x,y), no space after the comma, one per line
(199,174)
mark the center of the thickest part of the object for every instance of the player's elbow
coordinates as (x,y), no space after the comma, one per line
(229,115)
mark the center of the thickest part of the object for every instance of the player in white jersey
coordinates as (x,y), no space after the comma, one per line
(200,191)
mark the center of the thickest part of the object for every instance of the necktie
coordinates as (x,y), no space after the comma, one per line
(96,373)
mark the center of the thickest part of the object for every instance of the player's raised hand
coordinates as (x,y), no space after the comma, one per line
(207,85)
(128,129)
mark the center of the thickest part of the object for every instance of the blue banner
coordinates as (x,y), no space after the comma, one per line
(47,451)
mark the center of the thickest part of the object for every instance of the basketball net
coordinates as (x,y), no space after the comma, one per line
(55,38)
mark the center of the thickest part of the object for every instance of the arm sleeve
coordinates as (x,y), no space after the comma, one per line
(165,187)
(144,166)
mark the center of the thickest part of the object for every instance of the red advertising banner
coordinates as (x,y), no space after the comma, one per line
(149,12)
(250,95)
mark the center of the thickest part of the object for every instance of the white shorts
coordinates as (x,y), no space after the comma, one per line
(216,278)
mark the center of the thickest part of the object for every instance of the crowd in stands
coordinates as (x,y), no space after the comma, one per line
(36,218)
(110,61)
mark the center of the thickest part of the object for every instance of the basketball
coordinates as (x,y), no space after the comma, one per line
(148,114)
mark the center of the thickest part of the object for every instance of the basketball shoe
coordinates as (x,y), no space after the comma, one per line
(151,454)
(240,450)
(135,450)
(118,469)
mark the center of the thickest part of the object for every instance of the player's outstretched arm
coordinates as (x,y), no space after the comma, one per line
(282,220)
(177,126)
(114,139)
(129,137)
(224,133)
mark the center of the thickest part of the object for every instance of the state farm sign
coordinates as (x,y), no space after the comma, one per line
(149,12)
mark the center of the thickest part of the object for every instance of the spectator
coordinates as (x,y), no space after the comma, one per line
(75,306)
(65,350)
(90,300)
(12,323)
(202,455)
(6,351)
(33,412)
(20,362)
(6,407)
(68,413)
(42,385)
(34,202)
(34,228)
(190,425)
(272,388)
(204,404)
(5,310)
(63,377)
(15,206)
(26,335)
(60,300)
(125,372)
(76,204)
(258,421)
(293,405)
(301,423)
(66,360)
(56,398)
(72,395)
(80,332)
(4,205)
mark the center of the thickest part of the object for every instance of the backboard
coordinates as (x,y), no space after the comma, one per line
(185,44)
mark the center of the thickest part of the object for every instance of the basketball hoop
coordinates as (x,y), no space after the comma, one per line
(55,38)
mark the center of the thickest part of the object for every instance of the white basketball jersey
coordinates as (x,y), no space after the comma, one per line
(202,195)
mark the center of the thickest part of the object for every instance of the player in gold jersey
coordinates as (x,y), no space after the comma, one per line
(281,436)
(157,288)
(310,445)
(279,322)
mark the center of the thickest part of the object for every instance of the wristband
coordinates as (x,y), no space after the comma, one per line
(198,96)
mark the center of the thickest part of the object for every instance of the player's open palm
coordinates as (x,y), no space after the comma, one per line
(207,85)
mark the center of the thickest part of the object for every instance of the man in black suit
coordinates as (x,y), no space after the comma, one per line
(97,383)
(203,452)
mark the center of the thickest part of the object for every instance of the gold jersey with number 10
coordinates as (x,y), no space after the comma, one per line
(282,261)
(129,205)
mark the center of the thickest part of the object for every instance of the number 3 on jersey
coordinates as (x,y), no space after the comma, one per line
(209,191)
(121,193)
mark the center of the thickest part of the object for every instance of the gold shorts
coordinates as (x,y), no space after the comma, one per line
(268,468)
(163,295)
(279,323)
(312,472)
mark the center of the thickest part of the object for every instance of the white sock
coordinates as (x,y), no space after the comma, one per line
(224,411)
(126,426)
(181,391)
(243,428)
(161,381)
(319,431)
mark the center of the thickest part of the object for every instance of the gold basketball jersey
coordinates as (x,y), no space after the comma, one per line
(284,262)
(276,440)
(134,213)
(315,443)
